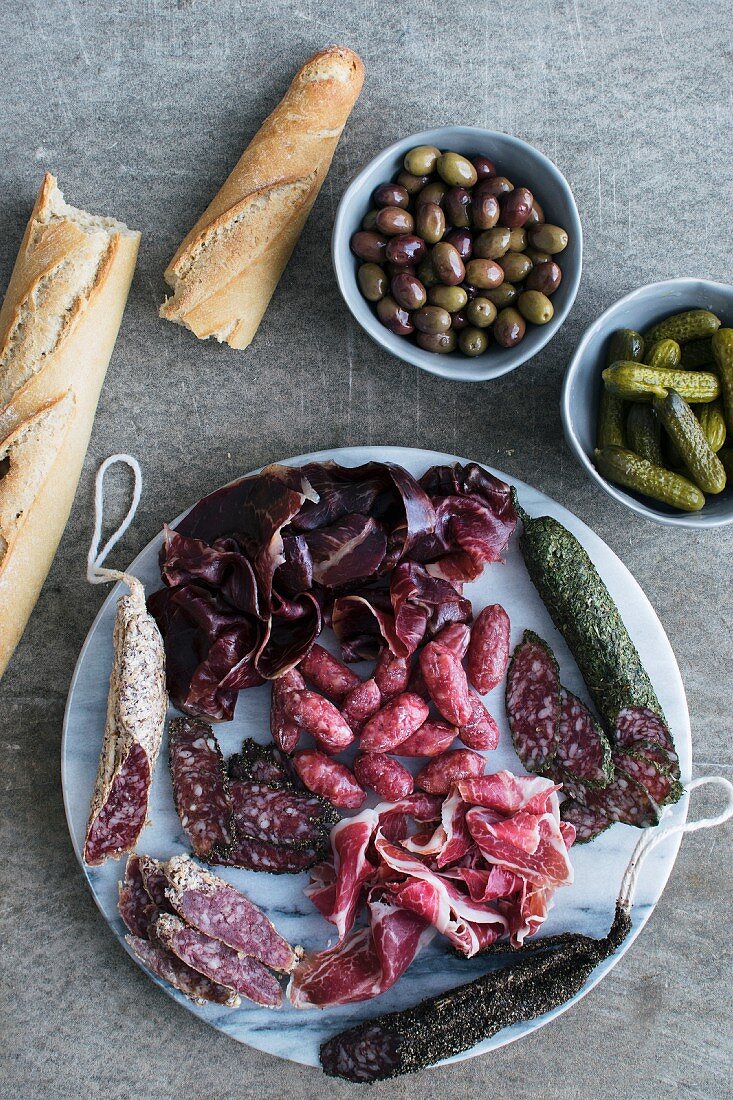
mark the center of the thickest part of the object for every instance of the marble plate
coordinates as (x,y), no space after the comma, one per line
(587,906)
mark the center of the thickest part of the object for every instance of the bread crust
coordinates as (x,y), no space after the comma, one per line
(81,267)
(228,265)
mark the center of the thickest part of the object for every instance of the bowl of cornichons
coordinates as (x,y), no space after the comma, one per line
(459,250)
(647,402)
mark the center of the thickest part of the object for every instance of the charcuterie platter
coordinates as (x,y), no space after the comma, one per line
(586,906)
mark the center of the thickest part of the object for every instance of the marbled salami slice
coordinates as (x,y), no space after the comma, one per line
(636,724)
(622,800)
(209,904)
(134,903)
(115,827)
(274,859)
(219,963)
(661,787)
(200,787)
(582,746)
(165,965)
(280,815)
(533,702)
(588,823)
(152,873)
(667,759)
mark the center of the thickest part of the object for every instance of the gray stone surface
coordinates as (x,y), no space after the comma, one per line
(141,109)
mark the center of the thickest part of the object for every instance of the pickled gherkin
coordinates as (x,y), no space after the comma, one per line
(628,345)
(644,433)
(722,345)
(686,432)
(635,382)
(633,472)
(712,422)
(693,324)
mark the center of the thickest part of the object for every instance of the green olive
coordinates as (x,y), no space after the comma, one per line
(435,191)
(369,221)
(431,319)
(516,266)
(426,273)
(481,312)
(536,256)
(492,244)
(429,222)
(456,170)
(452,298)
(441,342)
(412,184)
(548,238)
(509,328)
(484,274)
(372,282)
(535,307)
(517,240)
(421,161)
(473,341)
(503,295)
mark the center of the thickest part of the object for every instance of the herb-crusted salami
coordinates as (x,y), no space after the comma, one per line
(661,787)
(622,800)
(582,747)
(533,702)
(588,823)
(216,961)
(200,787)
(165,965)
(209,904)
(639,724)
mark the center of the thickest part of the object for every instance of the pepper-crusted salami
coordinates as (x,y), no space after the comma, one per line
(582,747)
(431,739)
(200,787)
(385,775)
(446,681)
(481,731)
(440,774)
(533,702)
(280,815)
(329,779)
(171,969)
(219,963)
(284,730)
(361,703)
(259,764)
(394,723)
(488,649)
(212,906)
(136,707)
(327,673)
(275,859)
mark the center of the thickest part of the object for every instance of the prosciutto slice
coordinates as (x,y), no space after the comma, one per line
(530,844)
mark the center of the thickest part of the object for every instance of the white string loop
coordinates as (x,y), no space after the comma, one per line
(96,574)
(652,837)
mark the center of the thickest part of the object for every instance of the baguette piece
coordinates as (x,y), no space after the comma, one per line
(227,267)
(58,326)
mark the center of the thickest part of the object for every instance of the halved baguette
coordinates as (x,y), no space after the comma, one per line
(227,267)
(58,326)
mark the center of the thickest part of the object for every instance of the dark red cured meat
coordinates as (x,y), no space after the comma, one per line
(481,731)
(668,761)
(165,965)
(285,732)
(588,823)
(530,844)
(133,903)
(349,551)
(661,787)
(582,747)
(455,637)
(392,674)
(209,904)
(152,872)
(119,823)
(222,566)
(385,775)
(444,771)
(318,717)
(280,816)
(446,681)
(533,702)
(641,724)
(327,673)
(259,764)
(200,787)
(361,703)
(488,649)
(622,800)
(394,723)
(219,963)
(329,779)
(432,739)
(273,859)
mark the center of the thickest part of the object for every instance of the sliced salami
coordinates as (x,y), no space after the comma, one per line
(533,702)
(212,906)
(200,787)
(260,764)
(622,800)
(636,724)
(133,903)
(152,873)
(661,787)
(284,730)
(165,965)
(588,823)
(327,673)
(667,760)
(481,731)
(274,859)
(219,963)
(280,815)
(582,746)
(117,824)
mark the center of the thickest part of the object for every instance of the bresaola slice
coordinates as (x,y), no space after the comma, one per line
(201,788)
(533,702)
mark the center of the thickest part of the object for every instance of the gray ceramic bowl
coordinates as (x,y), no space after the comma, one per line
(523,165)
(582,386)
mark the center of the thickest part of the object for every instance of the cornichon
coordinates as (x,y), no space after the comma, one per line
(712,422)
(665,354)
(585,613)
(627,469)
(722,345)
(626,344)
(694,324)
(636,382)
(697,354)
(644,433)
(683,427)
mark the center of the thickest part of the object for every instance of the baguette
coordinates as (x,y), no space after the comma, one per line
(227,267)
(58,326)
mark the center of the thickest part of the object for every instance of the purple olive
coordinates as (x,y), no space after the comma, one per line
(485,210)
(509,327)
(408,291)
(462,241)
(516,206)
(412,184)
(485,168)
(369,220)
(447,263)
(496,186)
(459,320)
(457,207)
(545,277)
(536,214)
(430,222)
(392,221)
(399,269)
(394,317)
(368,246)
(391,194)
(406,249)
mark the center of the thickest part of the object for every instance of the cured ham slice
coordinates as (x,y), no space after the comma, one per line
(530,844)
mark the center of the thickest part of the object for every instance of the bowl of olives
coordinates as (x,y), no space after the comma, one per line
(459,250)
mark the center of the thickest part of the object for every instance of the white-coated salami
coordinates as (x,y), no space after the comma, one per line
(165,965)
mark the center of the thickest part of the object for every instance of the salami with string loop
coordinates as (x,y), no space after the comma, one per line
(201,788)
(582,746)
(533,702)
